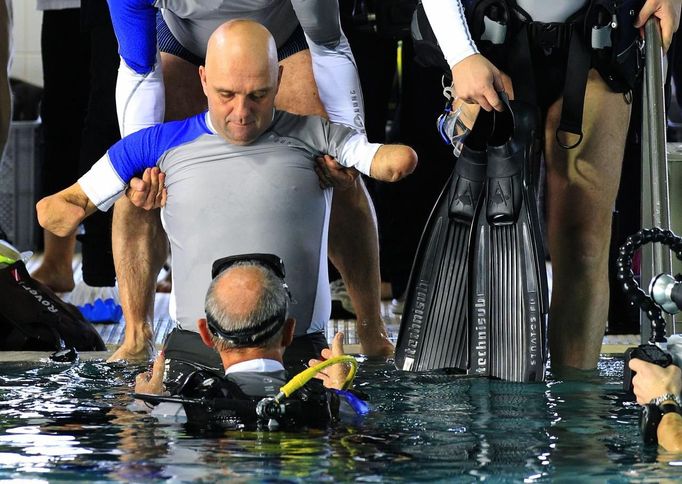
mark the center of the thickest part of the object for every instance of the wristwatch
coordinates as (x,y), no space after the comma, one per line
(653,412)
(667,397)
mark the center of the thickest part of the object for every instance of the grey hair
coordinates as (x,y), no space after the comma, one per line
(274,299)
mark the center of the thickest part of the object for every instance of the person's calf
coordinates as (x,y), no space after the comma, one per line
(140,249)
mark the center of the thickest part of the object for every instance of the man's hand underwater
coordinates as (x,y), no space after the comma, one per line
(152,382)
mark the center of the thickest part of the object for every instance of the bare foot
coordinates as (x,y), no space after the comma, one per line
(59,279)
(132,352)
(374,340)
(138,344)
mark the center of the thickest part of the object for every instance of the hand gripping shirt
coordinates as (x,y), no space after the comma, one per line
(225,199)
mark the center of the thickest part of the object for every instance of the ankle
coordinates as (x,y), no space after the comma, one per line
(56,265)
(371,327)
(139,334)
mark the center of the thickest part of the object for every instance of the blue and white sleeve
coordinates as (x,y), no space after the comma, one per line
(140,97)
(108,179)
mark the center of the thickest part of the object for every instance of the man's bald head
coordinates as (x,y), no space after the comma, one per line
(240,80)
(240,290)
(239,42)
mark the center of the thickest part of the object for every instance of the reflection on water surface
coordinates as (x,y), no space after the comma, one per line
(69,422)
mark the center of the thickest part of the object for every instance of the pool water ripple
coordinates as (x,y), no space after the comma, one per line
(69,422)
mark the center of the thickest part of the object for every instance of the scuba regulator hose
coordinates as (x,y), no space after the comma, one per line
(271,407)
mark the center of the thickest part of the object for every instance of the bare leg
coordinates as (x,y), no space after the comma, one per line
(582,187)
(55,271)
(354,250)
(139,244)
(139,254)
(353,239)
(184,96)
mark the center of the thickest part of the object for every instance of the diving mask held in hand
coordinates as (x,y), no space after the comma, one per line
(450,125)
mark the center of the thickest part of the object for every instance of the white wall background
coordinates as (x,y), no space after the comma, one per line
(27,64)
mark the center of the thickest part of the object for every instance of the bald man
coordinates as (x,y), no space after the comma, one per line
(247,324)
(240,178)
(319,77)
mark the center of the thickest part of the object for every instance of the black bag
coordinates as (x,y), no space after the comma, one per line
(33,318)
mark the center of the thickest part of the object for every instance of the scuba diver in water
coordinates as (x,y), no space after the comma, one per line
(248,324)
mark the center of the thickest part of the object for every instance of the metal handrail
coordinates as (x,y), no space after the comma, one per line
(655,196)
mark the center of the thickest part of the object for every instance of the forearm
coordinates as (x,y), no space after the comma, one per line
(670,432)
(139,87)
(338,83)
(393,162)
(334,67)
(140,98)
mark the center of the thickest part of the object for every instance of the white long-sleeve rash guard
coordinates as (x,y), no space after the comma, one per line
(450,27)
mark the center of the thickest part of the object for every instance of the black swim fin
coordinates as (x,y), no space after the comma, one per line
(433,329)
(508,278)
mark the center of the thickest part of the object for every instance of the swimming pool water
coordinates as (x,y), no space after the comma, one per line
(68,422)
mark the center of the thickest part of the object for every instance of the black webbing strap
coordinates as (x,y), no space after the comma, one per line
(578,66)
(520,67)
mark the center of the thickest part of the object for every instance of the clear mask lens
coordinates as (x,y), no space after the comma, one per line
(452,129)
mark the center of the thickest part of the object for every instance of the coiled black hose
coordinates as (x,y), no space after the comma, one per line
(626,277)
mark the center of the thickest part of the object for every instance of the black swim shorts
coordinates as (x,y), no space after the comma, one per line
(169,44)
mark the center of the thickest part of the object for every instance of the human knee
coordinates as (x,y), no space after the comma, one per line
(586,244)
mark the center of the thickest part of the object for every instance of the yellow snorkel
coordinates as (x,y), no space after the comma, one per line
(306,375)
(271,407)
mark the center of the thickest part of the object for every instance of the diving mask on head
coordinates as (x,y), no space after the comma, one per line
(260,332)
(450,125)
